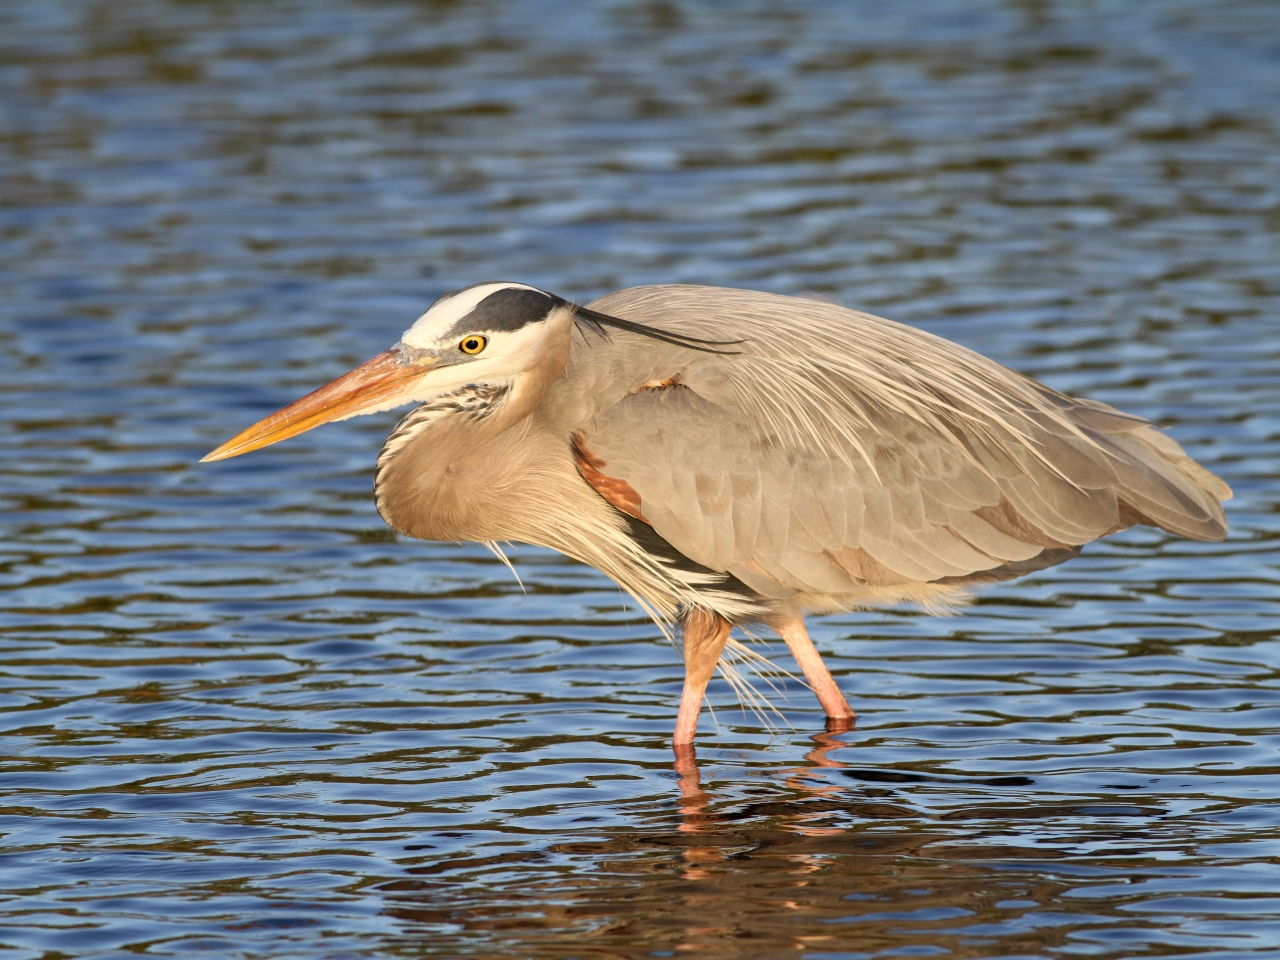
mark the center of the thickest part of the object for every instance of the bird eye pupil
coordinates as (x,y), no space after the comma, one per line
(472,344)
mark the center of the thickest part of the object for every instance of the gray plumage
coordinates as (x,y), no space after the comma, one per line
(729,456)
(842,458)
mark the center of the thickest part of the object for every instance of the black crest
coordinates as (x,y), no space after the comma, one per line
(600,322)
(510,309)
(514,307)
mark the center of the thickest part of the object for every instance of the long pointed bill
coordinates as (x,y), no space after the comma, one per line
(377,384)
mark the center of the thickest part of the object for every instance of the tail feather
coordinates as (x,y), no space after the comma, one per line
(1156,482)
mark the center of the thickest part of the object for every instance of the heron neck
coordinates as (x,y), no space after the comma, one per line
(446,465)
(529,388)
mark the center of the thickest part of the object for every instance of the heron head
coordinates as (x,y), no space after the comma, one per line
(487,333)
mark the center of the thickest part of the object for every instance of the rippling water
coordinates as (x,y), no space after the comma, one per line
(240,719)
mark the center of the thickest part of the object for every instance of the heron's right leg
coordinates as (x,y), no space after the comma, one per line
(705,634)
(815,671)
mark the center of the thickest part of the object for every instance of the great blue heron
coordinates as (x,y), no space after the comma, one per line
(733,457)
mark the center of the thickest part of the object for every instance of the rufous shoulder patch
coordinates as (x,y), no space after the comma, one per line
(615,490)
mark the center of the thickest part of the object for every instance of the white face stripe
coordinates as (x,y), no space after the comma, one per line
(509,357)
(448,310)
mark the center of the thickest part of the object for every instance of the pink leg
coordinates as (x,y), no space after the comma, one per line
(705,635)
(815,671)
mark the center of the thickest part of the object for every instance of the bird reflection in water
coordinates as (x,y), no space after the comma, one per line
(814,856)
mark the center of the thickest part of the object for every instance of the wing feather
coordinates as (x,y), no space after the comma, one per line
(887,457)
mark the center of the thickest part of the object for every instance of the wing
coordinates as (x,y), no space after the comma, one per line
(798,477)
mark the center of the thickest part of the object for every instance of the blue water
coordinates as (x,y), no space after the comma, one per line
(240,719)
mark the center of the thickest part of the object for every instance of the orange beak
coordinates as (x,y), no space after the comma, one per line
(376,384)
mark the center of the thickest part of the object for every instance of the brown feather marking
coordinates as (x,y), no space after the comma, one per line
(620,494)
(1005,518)
(753,565)
(672,381)
(864,568)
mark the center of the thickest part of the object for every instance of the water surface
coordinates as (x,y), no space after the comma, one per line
(241,719)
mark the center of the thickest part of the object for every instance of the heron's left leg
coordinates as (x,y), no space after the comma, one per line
(815,671)
(705,634)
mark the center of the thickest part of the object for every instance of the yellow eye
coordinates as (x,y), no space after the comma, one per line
(472,344)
